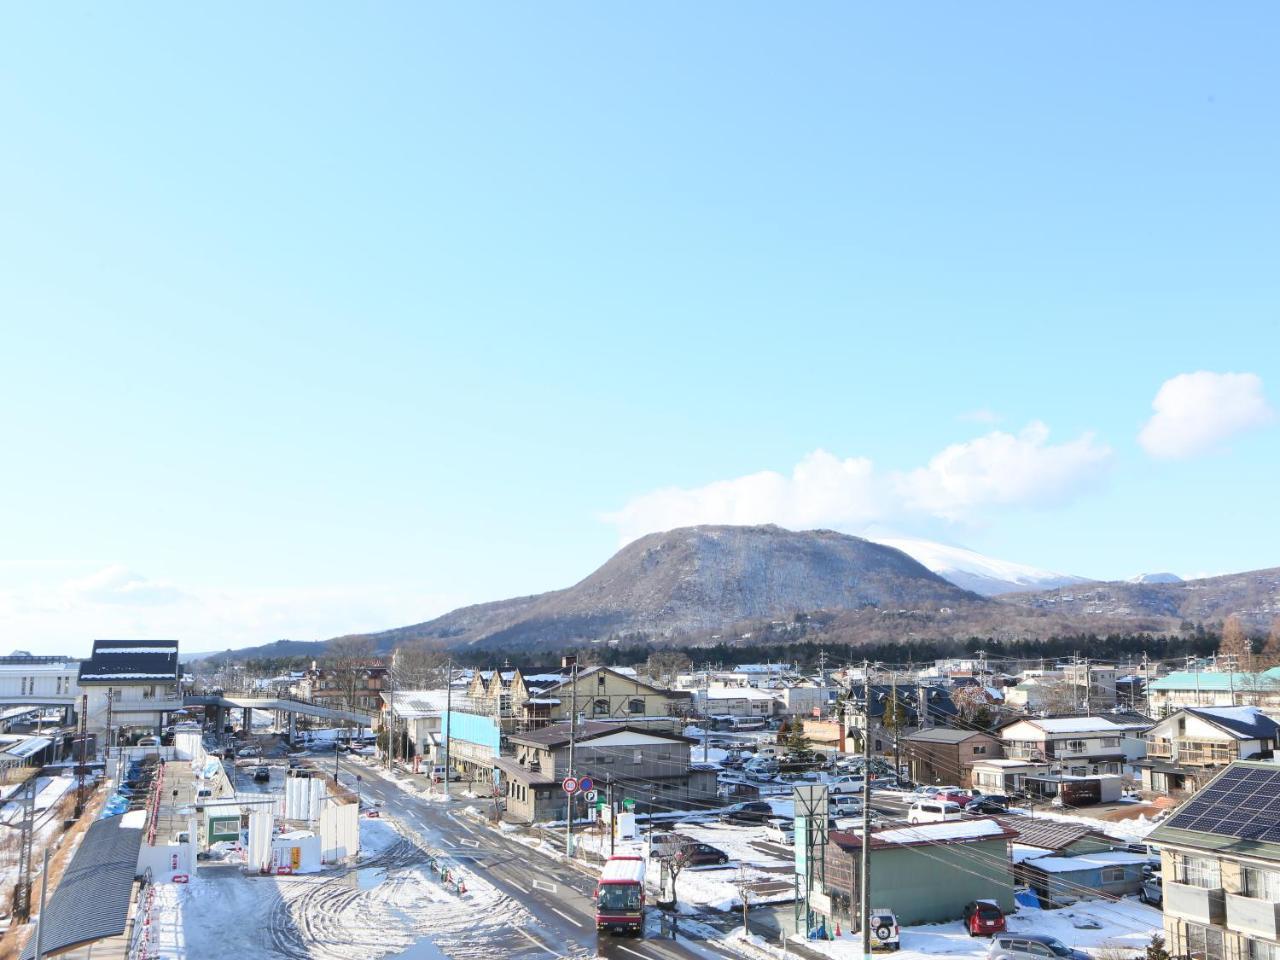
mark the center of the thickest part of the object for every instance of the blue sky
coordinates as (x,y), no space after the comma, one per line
(324,319)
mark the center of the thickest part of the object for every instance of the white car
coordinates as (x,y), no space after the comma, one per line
(844,806)
(781,831)
(885,932)
(933,811)
(846,783)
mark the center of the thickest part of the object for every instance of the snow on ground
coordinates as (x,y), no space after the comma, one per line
(1126,925)
(370,912)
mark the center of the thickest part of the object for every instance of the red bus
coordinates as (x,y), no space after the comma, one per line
(620,896)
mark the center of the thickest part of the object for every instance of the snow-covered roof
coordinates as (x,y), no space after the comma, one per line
(1243,723)
(1086,861)
(1006,762)
(736,693)
(1082,725)
(415,704)
(947,830)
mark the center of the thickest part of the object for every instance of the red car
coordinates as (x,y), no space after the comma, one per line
(955,796)
(982,918)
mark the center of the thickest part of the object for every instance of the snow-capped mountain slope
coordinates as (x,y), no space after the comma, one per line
(973,571)
(1156,578)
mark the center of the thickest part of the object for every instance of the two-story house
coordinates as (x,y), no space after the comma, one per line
(1220,860)
(645,765)
(602,693)
(132,686)
(941,755)
(355,685)
(1215,688)
(1188,748)
(1076,746)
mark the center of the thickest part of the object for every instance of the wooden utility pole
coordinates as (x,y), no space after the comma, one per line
(864,886)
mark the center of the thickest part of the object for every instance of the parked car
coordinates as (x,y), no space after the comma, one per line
(983,918)
(750,812)
(149,742)
(844,805)
(933,811)
(781,831)
(846,783)
(1031,946)
(984,805)
(761,769)
(885,932)
(959,797)
(703,854)
(1152,890)
(932,791)
(666,844)
(250,752)
(262,775)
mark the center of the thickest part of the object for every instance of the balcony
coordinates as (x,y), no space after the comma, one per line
(1257,918)
(1198,904)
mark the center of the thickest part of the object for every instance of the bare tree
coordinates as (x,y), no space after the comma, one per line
(1235,645)
(347,663)
(418,667)
(1270,655)
(1061,697)
(663,666)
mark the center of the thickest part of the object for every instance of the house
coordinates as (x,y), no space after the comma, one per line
(1188,748)
(1002,775)
(132,687)
(1215,688)
(1105,874)
(927,872)
(1094,684)
(736,702)
(1077,746)
(416,716)
(355,685)
(644,764)
(895,711)
(944,755)
(1041,837)
(602,693)
(806,700)
(1220,863)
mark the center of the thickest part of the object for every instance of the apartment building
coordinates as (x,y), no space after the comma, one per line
(1189,748)
(1076,746)
(132,687)
(1220,858)
(352,686)
(1215,688)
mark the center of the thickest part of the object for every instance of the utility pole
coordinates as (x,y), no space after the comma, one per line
(22,892)
(897,722)
(1146,682)
(572,663)
(83,727)
(864,886)
(110,701)
(613,811)
(1088,689)
(44,889)
(448,720)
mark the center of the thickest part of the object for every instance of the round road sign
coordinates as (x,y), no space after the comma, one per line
(591,796)
(569,784)
(586,783)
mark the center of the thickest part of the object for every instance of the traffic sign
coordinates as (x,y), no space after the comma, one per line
(591,796)
(586,784)
(569,784)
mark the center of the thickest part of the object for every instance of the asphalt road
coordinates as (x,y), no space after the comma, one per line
(559,896)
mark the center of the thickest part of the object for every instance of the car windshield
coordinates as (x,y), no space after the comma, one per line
(619,896)
(989,912)
(1058,947)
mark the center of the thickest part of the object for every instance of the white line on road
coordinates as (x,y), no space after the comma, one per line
(536,941)
(476,843)
(637,953)
(543,885)
(576,923)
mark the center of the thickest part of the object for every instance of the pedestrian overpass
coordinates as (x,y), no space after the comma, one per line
(280,705)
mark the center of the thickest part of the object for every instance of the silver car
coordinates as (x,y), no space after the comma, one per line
(1031,946)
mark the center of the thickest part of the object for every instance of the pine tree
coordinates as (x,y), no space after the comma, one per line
(1156,948)
(1235,644)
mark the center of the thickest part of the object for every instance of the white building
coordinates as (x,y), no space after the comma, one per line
(48,681)
(133,686)
(1079,746)
(735,702)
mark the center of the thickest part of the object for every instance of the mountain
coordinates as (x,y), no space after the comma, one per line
(1254,596)
(973,571)
(696,579)
(1156,578)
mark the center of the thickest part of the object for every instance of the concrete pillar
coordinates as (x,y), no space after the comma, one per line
(248,720)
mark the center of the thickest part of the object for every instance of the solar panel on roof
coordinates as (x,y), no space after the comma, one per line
(1244,802)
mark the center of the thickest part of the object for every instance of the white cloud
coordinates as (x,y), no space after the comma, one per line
(114,602)
(980,415)
(1003,469)
(1196,411)
(823,490)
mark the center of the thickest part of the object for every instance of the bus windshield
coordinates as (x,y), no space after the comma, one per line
(619,897)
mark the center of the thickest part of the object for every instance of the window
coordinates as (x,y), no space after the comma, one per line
(1077,746)
(1197,871)
(636,705)
(979,748)
(1260,950)
(600,681)
(638,757)
(1039,950)
(1204,943)
(601,707)
(1113,875)
(1111,741)
(1261,884)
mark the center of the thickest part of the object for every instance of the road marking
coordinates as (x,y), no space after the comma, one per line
(543,885)
(521,888)
(535,940)
(576,923)
(637,953)
(470,843)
